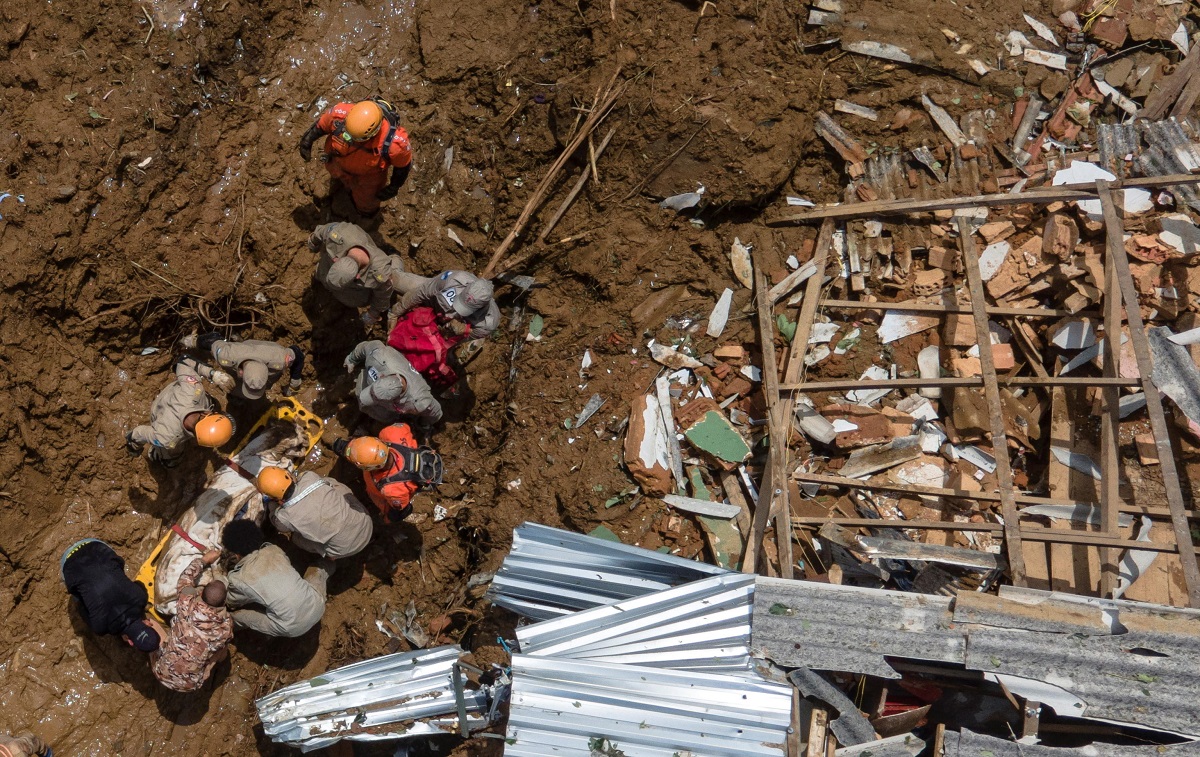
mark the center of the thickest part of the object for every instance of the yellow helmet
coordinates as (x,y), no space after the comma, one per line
(274,482)
(214,430)
(367,452)
(363,121)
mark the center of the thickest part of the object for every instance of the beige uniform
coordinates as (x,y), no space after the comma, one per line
(271,597)
(439,293)
(182,397)
(21,746)
(324,518)
(379,360)
(229,355)
(373,286)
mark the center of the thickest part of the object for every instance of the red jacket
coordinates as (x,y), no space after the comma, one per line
(362,158)
(395,496)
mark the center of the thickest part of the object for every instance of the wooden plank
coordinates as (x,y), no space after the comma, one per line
(1169,89)
(795,748)
(1110,419)
(952,381)
(1154,408)
(1049,535)
(791,372)
(818,728)
(931,307)
(773,494)
(1064,193)
(991,391)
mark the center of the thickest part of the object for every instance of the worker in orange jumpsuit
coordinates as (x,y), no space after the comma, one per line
(363,142)
(394,468)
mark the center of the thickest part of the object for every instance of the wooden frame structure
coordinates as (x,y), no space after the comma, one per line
(1119,303)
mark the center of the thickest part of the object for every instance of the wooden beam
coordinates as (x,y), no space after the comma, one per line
(929,307)
(1110,418)
(1044,196)
(952,381)
(1051,535)
(1159,102)
(773,495)
(1158,419)
(817,732)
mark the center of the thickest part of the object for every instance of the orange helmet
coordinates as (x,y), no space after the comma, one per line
(367,452)
(214,430)
(274,482)
(363,121)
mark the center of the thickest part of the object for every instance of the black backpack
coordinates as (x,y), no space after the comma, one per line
(393,119)
(421,465)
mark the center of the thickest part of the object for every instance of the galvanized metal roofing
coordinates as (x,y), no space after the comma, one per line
(551,572)
(1128,662)
(360,701)
(701,626)
(576,708)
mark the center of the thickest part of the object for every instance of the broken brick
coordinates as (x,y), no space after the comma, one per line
(1147,450)
(733,352)
(997,231)
(1110,32)
(1060,236)
(1003,357)
(959,330)
(944,258)
(968,151)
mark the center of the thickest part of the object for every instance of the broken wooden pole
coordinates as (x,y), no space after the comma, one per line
(588,172)
(1154,408)
(991,391)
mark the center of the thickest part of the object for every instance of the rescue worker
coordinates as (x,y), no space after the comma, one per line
(463,301)
(322,515)
(388,387)
(353,268)
(266,593)
(258,364)
(110,603)
(199,633)
(394,468)
(363,142)
(180,413)
(25,745)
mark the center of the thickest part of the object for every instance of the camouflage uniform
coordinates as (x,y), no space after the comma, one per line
(324,517)
(378,361)
(25,745)
(182,397)
(196,639)
(439,293)
(373,285)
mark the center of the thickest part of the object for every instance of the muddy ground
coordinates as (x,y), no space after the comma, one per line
(154,146)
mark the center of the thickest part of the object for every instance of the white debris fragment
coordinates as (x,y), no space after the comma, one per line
(978,66)
(878,50)
(929,363)
(752,372)
(585,363)
(1080,172)
(841,425)
(1076,460)
(720,314)
(868,396)
(918,407)
(897,324)
(992,258)
(739,258)
(1042,30)
(816,355)
(144,162)
(793,262)
(977,457)
(800,202)
(854,109)
(672,358)
(1056,61)
(439,512)
(849,340)
(823,333)
(683,201)
(454,237)
(1015,43)
(1073,334)
(1180,38)
(944,122)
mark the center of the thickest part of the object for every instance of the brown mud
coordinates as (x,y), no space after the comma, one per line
(154,146)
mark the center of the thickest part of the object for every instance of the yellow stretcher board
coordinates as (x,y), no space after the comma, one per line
(287,409)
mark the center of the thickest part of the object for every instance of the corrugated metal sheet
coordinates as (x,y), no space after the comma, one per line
(1128,662)
(701,626)
(371,700)
(551,572)
(970,744)
(573,708)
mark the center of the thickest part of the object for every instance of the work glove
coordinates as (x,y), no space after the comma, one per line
(350,365)
(395,516)
(292,387)
(307,141)
(388,192)
(134,448)
(454,327)
(424,434)
(188,342)
(223,380)
(339,446)
(371,317)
